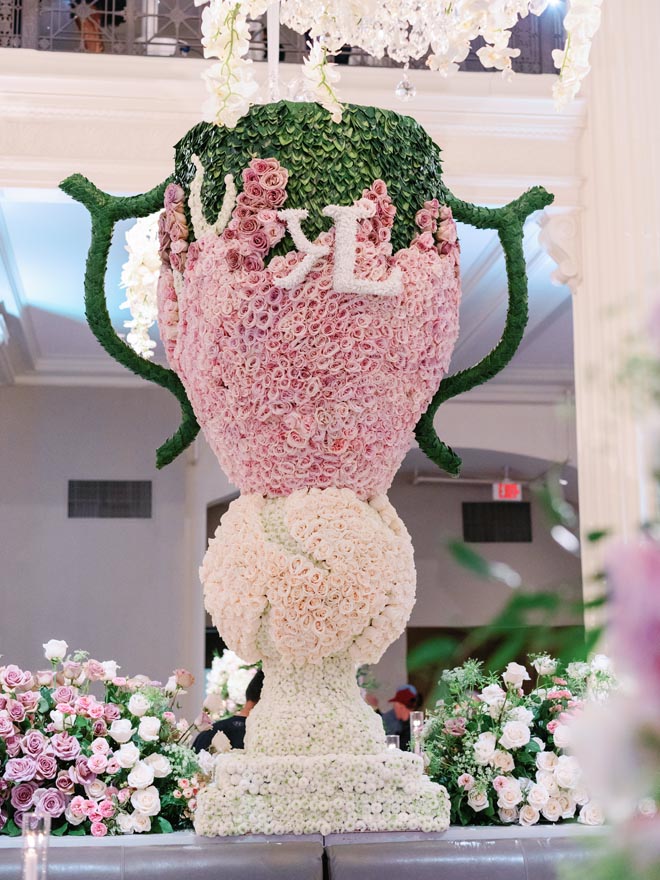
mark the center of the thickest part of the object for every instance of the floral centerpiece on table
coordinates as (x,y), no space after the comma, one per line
(116,763)
(226,684)
(502,753)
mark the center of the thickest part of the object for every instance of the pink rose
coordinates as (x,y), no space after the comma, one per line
(100,746)
(94,670)
(71,669)
(65,746)
(65,694)
(15,711)
(21,795)
(455,726)
(465,781)
(107,809)
(553,725)
(33,743)
(123,795)
(184,679)
(6,726)
(100,728)
(275,197)
(78,806)
(500,782)
(112,767)
(96,711)
(29,700)
(64,783)
(13,745)
(97,763)
(174,195)
(20,769)
(99,829)
(111,712)
(82,771)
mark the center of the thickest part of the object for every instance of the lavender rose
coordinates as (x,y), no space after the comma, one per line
(6,726)
(33,743)
(15,711)
(65,694)
(13,678)
(46,766)
(65,746)
(52,802)
(20,769)
(29,700)
(21,795)
(64,783)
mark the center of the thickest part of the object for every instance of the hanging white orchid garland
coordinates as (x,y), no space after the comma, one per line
(404,29)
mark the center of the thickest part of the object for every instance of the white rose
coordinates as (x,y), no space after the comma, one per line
(539,742)
(141,776)
(580,795)
(146,800)
(545,665)
(160,765)
(220,743)
(127,756)
(55,649)
(121,730)
(508,815)
(538,796)
(528,815)
(567,804)
(478,800)
(502,761)
(567,772)
(562,736)
(546,760)
(509,796)
(484,748)
(515,674)
(138,705)
(492,694)
(171,685)
(519,713)
(515,735)
(149,728)
(591,814)
(552,810)
(57,718)
(110,669)
(577,669)
(206,762)
(95,790)
(141,822)
(546,778)
(601,663)
(125,823)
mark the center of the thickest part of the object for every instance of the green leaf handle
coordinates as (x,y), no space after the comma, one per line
(508,221)
(105,211)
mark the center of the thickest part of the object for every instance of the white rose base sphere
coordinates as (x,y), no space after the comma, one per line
(313,584)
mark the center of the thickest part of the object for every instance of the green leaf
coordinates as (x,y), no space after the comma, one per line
(11,829)
(60,831)
(597,535)
(77,831)
(163,826)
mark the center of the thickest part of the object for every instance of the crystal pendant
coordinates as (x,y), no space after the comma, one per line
(405,90)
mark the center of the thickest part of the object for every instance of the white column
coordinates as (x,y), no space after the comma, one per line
(620,232)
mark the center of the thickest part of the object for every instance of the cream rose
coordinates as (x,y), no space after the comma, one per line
(562,736)
(538,796)
(55,650)
(502,761)
(507,816)
(591,814)
(528,815)
(546,760)
(484,748)
(567,804)
(567,772)
(121,730)
(515,735)
(220,743)
(95,790)
(141,776)
(520,713)
(141,822)
(138,705)
(478,800)
(125,823)
(515,674)
(149,728)
(545,665)
(160,764)
(110,669)
(492,694)
(552,810)
(146,801)
(510,795)
(546,778)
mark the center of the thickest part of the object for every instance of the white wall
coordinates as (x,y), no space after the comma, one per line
(117,587)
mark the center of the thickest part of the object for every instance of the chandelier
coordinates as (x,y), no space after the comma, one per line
(405,30)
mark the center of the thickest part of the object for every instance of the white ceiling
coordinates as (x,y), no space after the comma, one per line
(44,238)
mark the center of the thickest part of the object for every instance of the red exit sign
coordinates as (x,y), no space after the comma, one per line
(507,491)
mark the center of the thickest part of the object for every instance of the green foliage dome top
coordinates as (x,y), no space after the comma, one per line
(329,163)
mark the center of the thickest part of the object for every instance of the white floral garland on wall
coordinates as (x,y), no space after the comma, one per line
(403,29)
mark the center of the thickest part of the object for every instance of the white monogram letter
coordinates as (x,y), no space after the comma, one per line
(313,252)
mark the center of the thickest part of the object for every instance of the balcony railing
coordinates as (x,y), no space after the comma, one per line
(172,27)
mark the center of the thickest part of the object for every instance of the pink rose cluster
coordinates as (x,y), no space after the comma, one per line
(67,753)
(310,387)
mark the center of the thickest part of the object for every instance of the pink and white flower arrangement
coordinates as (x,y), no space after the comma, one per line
(97,752)
(504,754)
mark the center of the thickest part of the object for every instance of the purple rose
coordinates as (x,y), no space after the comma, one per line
(13,678)
(111,712)
(3,702)
(50,801)
(65,746)
(64,783)
(13,744)
(3,819)
(21,795)
(71,669)
(4,789)
(20,769)
(83,772)
(29,700)
(33,743)
(6,726)
(173,195)
(46,766)
(100,728)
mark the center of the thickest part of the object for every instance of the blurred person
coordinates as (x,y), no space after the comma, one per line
(397,720)
(234,726)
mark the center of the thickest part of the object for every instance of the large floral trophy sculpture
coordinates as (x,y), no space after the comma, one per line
(308,304)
